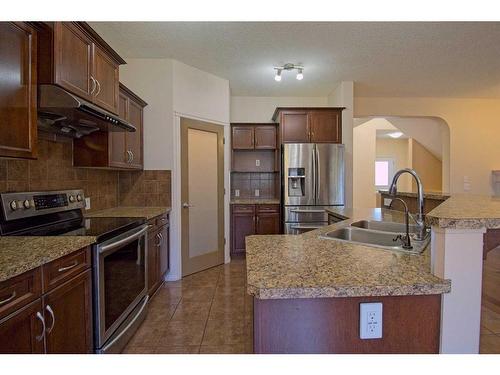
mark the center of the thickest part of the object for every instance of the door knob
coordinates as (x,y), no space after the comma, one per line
(187,205)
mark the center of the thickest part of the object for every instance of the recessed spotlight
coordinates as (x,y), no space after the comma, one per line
(395,134)
(300,75)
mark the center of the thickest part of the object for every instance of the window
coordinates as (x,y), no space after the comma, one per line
(384,171)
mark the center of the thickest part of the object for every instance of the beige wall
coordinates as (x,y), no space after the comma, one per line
(428,167)
(474,130)
(396,149)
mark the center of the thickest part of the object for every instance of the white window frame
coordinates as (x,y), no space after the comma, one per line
(391,163)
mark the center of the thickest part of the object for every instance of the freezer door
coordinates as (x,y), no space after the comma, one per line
(299,228)
(330,174)
(304,214)
(298,174)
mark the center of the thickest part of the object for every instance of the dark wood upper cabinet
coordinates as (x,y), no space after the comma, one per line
(295,127)
(18,91)
(242,137)
(72,55)
(310,125)
(22,332)
(68,316)
(107,80)
(325,126)
(116,150)
(265,137)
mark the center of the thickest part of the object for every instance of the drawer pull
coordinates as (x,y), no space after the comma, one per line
(62,269)
(42,335)
(8,299)
(163,219)
(49,309)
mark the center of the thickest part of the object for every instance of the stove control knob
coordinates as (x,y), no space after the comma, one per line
(13,205)
(26,204)
(72,199)
(79,198)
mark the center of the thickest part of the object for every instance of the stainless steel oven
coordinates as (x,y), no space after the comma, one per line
(120,290)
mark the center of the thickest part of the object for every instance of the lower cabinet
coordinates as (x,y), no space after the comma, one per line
(250,219)
(58,320)
(158,252)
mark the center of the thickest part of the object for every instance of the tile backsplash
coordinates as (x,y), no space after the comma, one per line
(53,170)
(247,183)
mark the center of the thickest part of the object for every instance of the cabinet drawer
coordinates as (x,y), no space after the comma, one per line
(63,269)
(243,208)
(19,291)
(268,208)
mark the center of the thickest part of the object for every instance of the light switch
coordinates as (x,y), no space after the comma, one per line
(87,203)
(370,320)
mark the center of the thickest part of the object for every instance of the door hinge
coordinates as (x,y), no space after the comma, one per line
(223,140)
(224,240)
(224,191)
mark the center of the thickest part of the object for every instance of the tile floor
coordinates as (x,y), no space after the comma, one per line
(208,312)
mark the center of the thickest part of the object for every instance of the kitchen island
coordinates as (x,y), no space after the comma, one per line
(307,290)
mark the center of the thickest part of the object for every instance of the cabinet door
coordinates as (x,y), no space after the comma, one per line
(164,251)
(134,140)
(242,137)
(243,225)
(73,60)
(105,72)
(268,223)
(68,316)
(265,137)
(22,333)
(117,140)
(153,261)
(18,116)
(295,127)
(325,126)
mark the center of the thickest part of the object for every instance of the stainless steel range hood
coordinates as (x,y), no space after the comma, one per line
(66,114)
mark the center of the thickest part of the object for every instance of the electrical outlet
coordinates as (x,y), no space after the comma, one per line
(87,203)
(370,320)
(257,162)
(466,183)
(387,202)
(237,192)
(257,192)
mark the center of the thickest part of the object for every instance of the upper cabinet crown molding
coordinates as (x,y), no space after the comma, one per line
(75,57)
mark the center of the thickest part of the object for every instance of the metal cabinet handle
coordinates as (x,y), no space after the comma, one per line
(42,335)
(132,156)
(129,156)
(159,240)
(93,85)
(51,312)
(62,269)
(98,88)
(8,299)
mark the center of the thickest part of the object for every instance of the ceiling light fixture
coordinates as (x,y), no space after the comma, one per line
(395,134)
(289,67)
(277,77)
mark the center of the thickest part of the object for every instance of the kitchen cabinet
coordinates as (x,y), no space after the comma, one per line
(310,125)
(115,150)
(73,56)
(49,309)
(158,252)
(249,219)
(18,91)
(253,136)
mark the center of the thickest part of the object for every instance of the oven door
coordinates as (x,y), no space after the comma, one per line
(120,280)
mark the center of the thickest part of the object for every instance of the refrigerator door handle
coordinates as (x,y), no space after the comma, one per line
(314,171)
(318,174)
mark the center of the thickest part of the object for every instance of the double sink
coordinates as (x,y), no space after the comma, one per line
(381,234)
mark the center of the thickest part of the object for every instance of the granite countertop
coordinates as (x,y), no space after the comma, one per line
(255,201)
(21,254)
(308,266)
(467,211)
(146,212)
(436,195)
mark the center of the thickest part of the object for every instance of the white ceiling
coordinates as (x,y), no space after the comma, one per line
(383,59)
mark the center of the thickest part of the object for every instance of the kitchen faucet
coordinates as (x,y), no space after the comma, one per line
(420,218)
(406,238)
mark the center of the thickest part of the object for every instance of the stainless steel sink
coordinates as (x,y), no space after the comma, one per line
(375,238)
(384,226)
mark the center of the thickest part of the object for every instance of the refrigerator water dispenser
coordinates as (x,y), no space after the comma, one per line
(296,182)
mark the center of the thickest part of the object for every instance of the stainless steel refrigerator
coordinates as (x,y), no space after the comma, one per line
(312,179)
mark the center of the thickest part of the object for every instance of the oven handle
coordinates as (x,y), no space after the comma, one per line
(123,241)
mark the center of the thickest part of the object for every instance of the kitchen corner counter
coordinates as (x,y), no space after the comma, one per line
(308,266)
(21,254)
(145,212)
(464,211)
